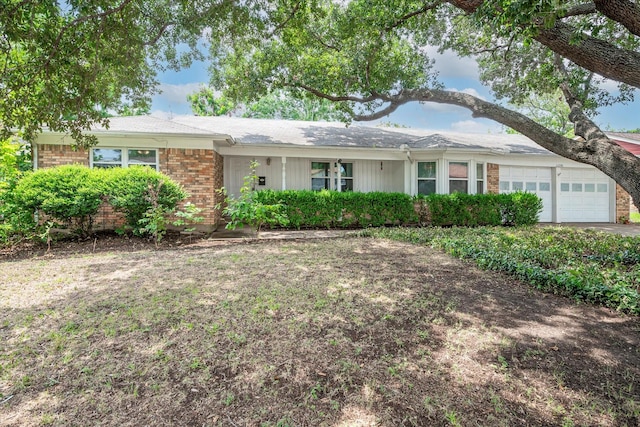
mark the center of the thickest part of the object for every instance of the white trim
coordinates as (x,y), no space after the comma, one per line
(124,162)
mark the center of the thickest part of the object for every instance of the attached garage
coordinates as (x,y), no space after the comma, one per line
(582,194)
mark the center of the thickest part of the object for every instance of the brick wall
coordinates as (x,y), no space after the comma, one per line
(493,178)
(623,203)
(58,155)
(199,171)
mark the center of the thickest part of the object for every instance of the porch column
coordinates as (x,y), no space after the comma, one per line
(284,173)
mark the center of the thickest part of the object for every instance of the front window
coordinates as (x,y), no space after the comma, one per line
(346,176)
(426,178)
(121,157)
(458,177)
(320,176)
(479,178)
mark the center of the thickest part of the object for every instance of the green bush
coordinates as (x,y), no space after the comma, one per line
(68,195)
(472,210)
(332,209)
(136,190)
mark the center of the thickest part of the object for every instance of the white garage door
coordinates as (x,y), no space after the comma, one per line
(584,196)
(533,180)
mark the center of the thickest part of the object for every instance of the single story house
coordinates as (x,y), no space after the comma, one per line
(207,153)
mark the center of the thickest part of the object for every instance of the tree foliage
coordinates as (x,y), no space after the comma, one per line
(205,102)
(370,56)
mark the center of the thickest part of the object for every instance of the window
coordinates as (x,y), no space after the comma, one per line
(322,173)
(121,157)
(545,186)
(564,186)
(602,188)
(576,187)
(346,176)
(458,177)
(590,188)
(531,186)
(426,178)
(479,178)
(504,186)
(517,186)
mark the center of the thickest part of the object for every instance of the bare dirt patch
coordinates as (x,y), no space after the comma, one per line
(336,332)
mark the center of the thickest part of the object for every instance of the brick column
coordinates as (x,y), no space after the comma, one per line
(623,203)
(493,178)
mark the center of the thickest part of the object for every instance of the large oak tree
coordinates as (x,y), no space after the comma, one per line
(371,56)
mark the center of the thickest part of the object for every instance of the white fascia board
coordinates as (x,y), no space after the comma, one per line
(313,152)
(623,139)
(144,140)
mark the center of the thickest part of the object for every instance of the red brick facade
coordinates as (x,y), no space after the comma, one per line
(199,171)
(623,204)
(493,178)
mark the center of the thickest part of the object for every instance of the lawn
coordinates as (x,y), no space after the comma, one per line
(337,332)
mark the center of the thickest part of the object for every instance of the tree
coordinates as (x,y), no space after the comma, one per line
(370,56)
(550,110)
(204,102)
(63,64)
(282,105)
(274,105)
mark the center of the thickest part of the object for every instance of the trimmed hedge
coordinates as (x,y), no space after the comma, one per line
(473,210)
(332,209)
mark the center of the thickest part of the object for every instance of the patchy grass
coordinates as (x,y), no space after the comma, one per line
(344,332)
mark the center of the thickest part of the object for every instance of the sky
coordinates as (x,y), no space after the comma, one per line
(455,72)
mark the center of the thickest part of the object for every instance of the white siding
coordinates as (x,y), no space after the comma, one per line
(376,175)
(239,167)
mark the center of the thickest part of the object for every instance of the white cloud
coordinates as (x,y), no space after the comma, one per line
(449,64)
(473,126)
(172,94)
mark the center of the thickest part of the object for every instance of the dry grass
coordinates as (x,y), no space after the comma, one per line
(342,332)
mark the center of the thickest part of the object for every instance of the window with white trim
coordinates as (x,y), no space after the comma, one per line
(427,178)
(458,177)
(346,176)
(479,178)
(324,176)
(320,176)
(123,157)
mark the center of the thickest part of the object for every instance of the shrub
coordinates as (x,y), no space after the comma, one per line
(137,190)
(313,209)
(472,210)
(248,209)
(69,195)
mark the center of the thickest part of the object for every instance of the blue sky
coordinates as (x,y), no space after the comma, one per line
(456,73)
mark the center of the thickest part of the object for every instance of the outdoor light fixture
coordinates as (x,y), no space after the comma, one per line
(268,161)
(380,165)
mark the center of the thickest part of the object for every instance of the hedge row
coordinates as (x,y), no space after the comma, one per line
(71,196)
(331,209)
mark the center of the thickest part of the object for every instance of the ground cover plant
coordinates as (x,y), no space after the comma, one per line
(586,265)
(340,332)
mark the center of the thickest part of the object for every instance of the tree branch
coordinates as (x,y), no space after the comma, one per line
(581,9)
(427,7)
(625,12)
